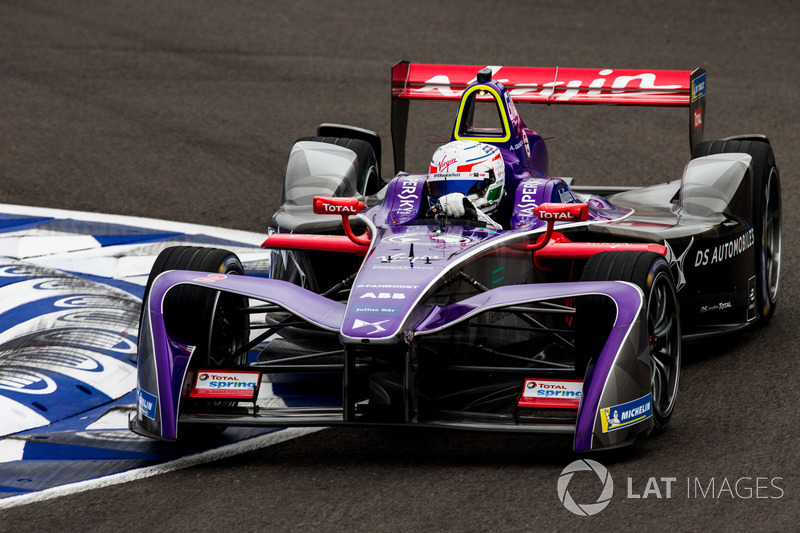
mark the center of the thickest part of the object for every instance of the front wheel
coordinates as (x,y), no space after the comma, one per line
(215,322)
(651,273)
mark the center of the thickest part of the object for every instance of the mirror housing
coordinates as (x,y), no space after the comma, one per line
(327,205)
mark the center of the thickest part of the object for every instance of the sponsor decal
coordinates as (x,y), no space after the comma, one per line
(725,251)
(405,257)
(626,414)
(359,324)
(387,310)
(384,295)
(676,263)
(401,267)
(527,199)
(751,299)
(408,196)
(498,275)
(512,110)
(211,278)
(721,306)
(338,209)
(232,385)
(551,393)
(569,89)
(444,165)
(562,211)
(147,403)
(699,87)
(187,349)
(526,143)
(464,175)
(324,205)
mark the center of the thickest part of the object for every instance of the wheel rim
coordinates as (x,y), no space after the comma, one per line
(665,344)
(771,238)
(228,329)
(229,324)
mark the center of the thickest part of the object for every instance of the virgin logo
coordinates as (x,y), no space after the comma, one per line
(539,83)
(444,166)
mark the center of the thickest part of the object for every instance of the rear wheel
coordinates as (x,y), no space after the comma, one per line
(651,273)
(766,215)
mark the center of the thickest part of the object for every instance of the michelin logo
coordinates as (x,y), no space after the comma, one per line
(699,87)
(626,414)
(147,404)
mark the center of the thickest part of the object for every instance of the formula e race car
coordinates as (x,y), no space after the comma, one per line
(562,312)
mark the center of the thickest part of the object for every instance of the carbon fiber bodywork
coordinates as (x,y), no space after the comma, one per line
(706,220)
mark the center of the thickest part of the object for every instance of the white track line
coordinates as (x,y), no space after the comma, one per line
(208,456)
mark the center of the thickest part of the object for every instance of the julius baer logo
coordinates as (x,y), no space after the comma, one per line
(594,478)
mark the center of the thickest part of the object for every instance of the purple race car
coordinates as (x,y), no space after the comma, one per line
(481,295)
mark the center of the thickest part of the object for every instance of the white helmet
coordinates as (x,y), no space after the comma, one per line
(460,157)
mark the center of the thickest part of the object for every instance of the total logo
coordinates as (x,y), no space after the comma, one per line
(226,381)
(333,208)
(226,384)
(567,390)
(554,215)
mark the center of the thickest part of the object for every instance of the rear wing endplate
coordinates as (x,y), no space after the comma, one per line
(669,88)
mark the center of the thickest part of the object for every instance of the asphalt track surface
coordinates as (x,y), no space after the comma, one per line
(186,110)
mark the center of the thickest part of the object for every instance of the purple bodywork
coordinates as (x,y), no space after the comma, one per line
(391,301)
(164,360)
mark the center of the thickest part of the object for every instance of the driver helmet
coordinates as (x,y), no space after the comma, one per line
(453,162)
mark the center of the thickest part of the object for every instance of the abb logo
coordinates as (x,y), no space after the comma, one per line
(577,212)
(324,205)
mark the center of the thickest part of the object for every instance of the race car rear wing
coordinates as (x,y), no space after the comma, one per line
(670,88)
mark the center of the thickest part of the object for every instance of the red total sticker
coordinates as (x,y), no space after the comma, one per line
(551,393)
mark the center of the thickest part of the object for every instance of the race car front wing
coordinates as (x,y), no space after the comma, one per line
(613,408)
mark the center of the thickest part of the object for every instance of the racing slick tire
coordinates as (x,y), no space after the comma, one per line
(651,273)
(213,321)
(766,215)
